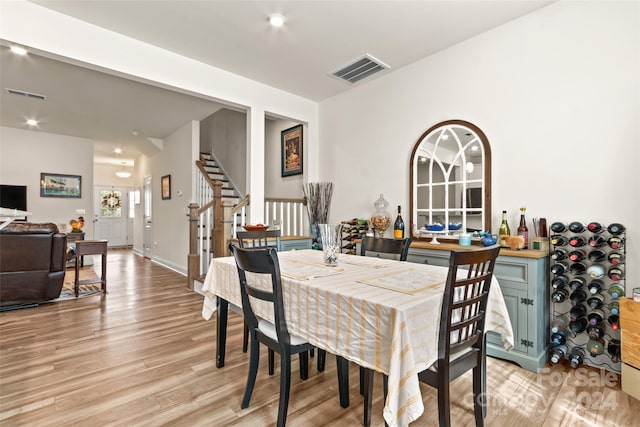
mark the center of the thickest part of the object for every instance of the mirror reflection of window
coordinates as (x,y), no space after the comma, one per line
(450,176)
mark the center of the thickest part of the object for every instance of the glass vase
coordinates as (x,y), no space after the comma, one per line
(330,236)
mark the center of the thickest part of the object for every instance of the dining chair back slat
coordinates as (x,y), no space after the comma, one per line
(259,239)
(397,248)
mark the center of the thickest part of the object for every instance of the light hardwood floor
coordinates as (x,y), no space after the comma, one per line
(143,355)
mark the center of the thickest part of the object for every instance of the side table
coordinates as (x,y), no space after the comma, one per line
(91,247)
(72,238)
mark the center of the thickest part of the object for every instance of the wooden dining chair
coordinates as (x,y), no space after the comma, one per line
(461,336)
(274,335)
(386,248)
(259,239)
(263,240)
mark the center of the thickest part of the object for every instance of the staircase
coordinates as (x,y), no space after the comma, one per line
(211,216)
(230,196)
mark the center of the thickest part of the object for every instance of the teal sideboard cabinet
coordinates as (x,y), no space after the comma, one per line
(523,280)
(289,243)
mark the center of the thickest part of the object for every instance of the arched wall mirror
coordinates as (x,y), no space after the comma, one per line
(451,179)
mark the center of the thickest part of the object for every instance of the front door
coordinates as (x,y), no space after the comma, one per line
(147,235)
(110,215)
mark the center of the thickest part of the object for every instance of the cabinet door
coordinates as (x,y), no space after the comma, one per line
(515,300)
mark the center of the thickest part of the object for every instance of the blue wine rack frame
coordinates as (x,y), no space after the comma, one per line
(604,360)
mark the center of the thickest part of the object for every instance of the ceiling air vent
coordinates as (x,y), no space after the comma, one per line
(27,94)
(360,68)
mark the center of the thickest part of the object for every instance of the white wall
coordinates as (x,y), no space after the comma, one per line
(275,184)
(556,92)
(225,134)
(170,244)
(24,154)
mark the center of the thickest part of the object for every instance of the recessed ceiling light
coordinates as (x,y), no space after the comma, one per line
(18,50)
(32,122)
(276,20)
(117,150)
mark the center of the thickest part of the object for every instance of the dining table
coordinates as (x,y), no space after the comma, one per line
(379,313)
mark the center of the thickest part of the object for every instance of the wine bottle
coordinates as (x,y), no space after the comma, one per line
(558,240)
(595,347)
(559,282)
(558,227)
(615,274)
(576,357)
(559,352)
(578,268)
(614,307)
(577,283)
(576,227)
(578,326)
(616,291)
(595,332)
(559,268)
(614,321)
(595,287)
(596,256)
(504,229)
(523,231)
(577,312)
(577,255)
(595,227)
(596,301)
(578,297)
(558,254)
(597,241)
(559,295)
(595,317)
(559,324)
(577,241)
(616,258)
(614,350)
(615,242)
(398,226)
(559,338)
(615,229)
(596,271)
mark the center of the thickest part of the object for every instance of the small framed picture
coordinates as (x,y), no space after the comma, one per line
(166,187)
(291,151)
(57,185)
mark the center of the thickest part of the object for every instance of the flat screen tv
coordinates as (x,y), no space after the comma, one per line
(13,197)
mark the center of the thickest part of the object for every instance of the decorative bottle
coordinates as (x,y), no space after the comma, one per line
(578,268)
(576,357)
(559,324)
(615,242)
(595,317)
(614,307)
(523,231)
(596,256)
(616,291)
(614,350)
(595,301)
(398,226)
(615,274)
(577,241)
(559,352)
(577,255)
(577,312)
(578,326)
(595,227)
(558,240)
(558,254)
(576,227)
(615,229)
(597,241)
(595,287)
(595,347)
(504,229)
(559,282)
(615,258)
(558,227)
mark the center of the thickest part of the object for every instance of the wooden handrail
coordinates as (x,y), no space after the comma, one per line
(244,202)
(200,164)
(286,200)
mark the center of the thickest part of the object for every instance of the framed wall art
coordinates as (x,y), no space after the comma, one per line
(291,151)
(58,185)
(166,187)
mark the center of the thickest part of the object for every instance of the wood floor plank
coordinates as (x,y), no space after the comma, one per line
(142,355)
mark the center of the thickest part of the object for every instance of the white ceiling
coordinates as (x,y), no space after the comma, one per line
(317,38)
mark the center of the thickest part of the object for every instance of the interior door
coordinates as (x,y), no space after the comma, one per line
(147,233)
(110,215)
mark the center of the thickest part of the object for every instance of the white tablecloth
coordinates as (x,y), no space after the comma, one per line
(357,310)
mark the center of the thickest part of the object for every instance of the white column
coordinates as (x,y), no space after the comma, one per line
(255,164)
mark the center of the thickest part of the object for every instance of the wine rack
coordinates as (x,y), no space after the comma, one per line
(587,278)
(352,231)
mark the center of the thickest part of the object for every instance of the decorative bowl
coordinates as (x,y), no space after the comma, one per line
(434,227)
(257,227)
(455,225)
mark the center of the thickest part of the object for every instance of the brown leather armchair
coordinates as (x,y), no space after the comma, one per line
(32,263)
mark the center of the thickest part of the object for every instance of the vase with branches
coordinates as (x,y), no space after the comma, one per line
(318,195)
